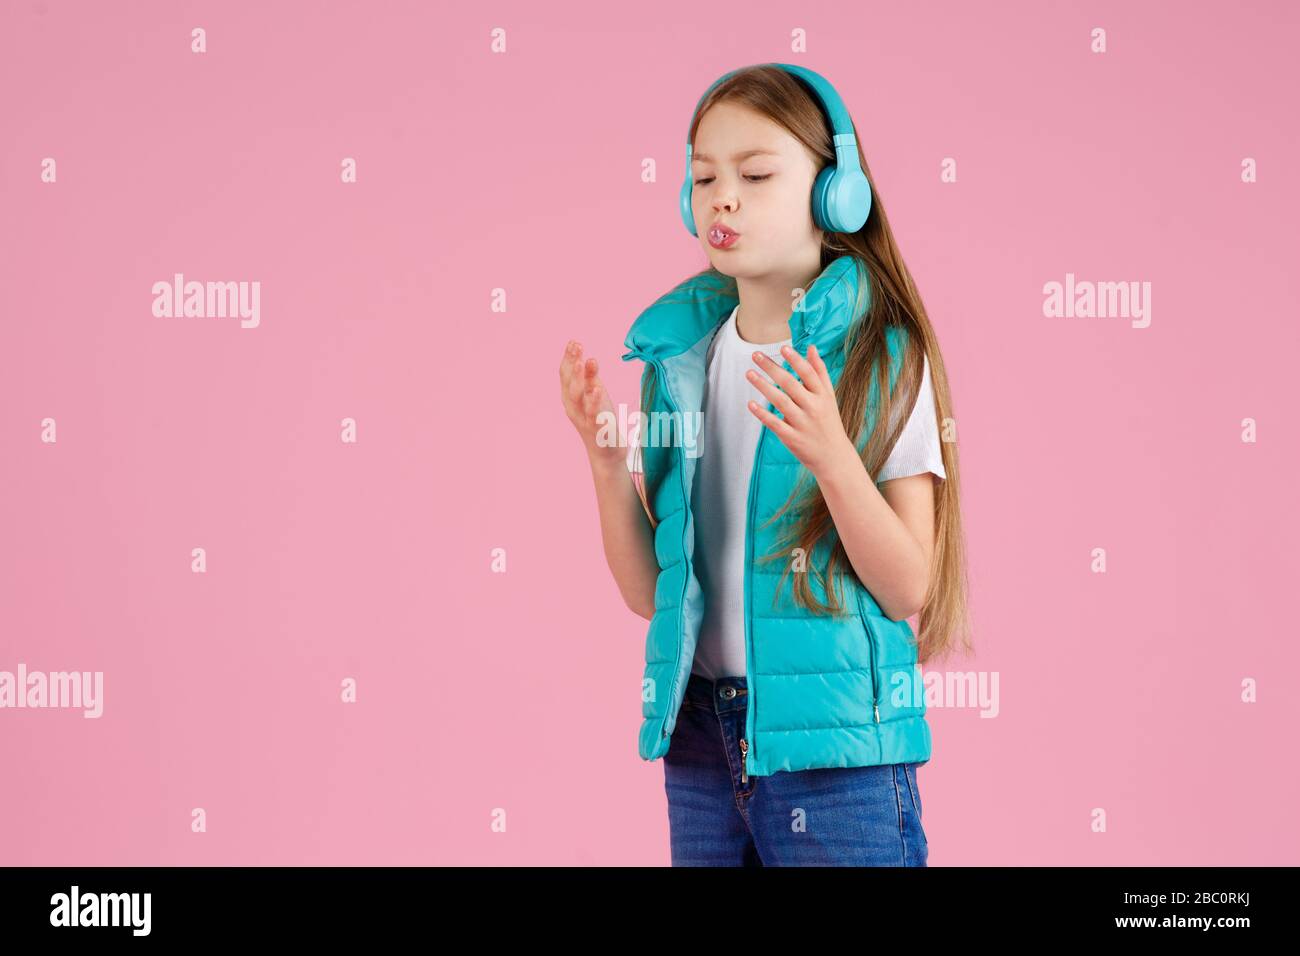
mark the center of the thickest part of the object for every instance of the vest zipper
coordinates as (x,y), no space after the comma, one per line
(751,707)
(871,651)
(686,497)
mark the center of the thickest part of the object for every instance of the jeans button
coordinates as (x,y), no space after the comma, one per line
(727,693)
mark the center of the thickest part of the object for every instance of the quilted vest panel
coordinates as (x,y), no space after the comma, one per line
(842,691)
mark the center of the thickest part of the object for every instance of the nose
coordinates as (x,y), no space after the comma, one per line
(722,201)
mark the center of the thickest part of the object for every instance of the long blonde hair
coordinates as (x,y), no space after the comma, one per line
(894,303)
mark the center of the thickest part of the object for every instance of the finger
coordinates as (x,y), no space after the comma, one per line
(594,389)
(595,377)
(566,364)
(807,373)
(781,428)
(815,358)
(572,356)
(567,374)
(590,380)
(774,395)
(577,380)
(792,386)
(591,399)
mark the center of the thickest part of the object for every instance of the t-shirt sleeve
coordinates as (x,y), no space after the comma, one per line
(634,464)
(918,449)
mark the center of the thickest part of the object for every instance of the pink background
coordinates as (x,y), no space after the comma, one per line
(522,171)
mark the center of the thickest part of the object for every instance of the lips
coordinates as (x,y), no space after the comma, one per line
(722,236)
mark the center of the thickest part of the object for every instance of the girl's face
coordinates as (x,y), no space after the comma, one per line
(753,177)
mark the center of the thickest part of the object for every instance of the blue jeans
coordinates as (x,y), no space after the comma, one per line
(836,816)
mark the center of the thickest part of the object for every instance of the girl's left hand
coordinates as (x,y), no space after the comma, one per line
(811,426)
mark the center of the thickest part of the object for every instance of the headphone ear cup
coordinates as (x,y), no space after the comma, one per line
(846,200)
(688,217)
(820,191)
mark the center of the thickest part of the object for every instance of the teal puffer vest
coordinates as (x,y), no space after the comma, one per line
(842,691)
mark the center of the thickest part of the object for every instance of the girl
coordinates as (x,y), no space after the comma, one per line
(778,558)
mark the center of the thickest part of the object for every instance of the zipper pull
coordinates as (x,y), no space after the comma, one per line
(744,750)
(876,708)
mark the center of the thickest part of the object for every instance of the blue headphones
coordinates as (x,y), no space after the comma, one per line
(841,196)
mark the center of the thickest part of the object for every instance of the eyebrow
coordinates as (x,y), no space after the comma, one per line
(706,158)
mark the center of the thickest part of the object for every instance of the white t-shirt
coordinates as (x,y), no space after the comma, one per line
(728,439)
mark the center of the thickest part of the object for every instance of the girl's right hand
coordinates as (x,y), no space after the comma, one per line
(584,400)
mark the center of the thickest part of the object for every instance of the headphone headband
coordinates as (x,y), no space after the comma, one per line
(823,92)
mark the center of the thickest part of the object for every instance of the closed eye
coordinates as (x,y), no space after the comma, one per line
(752,179)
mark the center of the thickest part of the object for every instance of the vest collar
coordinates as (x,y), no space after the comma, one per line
(679,318)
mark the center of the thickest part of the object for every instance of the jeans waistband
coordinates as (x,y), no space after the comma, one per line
(724,694)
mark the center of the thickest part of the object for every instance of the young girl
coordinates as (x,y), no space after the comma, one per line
(778,549)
